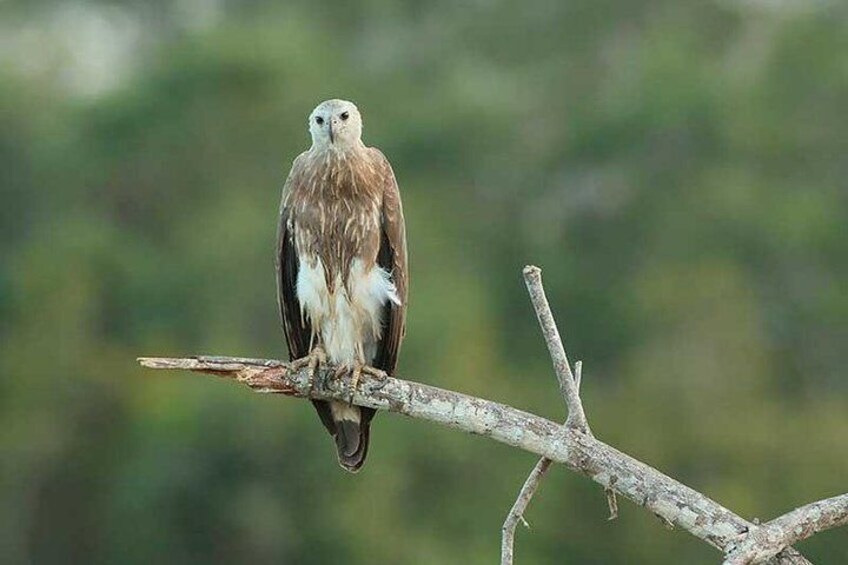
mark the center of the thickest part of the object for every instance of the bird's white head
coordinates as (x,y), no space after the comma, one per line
(335,124)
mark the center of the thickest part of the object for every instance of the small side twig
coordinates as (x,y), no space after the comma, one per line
(612,499)
(567,383)
(612,502)
(516,513)
(578,374)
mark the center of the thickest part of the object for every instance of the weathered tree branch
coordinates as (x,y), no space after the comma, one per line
(571,445)
(677,503)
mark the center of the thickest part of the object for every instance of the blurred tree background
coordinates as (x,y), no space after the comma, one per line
(678,168)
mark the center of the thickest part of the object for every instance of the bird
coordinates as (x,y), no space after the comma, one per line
(342,274)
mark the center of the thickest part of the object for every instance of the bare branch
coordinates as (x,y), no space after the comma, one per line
(567,384)
(771,538)
(516,513)
(680,505)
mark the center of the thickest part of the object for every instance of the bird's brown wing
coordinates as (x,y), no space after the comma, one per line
(392,257)
(295,326)
(297,329)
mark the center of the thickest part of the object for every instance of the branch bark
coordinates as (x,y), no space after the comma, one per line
(769,539)
(571,445)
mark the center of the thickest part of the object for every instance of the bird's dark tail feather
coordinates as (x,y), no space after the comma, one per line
(350,426)
(352,443)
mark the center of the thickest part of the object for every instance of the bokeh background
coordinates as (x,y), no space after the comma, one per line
(677,168)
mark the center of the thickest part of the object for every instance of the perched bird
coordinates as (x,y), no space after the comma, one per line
(341,265)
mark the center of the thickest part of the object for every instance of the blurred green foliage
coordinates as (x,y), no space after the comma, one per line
(677,168)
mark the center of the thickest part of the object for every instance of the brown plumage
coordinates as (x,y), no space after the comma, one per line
(341,263)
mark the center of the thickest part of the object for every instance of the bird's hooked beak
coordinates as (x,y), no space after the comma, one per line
(330,126)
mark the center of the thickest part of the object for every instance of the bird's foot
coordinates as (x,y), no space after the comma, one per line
(356,371)
(380,375)
(316,359)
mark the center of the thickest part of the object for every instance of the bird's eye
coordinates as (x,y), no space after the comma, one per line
(344,116)
(319,120)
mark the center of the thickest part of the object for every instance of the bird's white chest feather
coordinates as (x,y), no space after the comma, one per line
(347,318)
